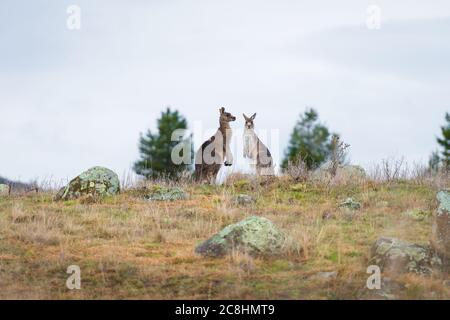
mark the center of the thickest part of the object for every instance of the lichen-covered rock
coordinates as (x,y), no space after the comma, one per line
(397,256)
(347,172)
(352,171)
(243,199)
(254,235)
(416,214)
(160,193)
(441,226)
(350,203)
(96,181)
(4,189)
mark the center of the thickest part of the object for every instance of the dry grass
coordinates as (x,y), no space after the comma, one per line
(129,248)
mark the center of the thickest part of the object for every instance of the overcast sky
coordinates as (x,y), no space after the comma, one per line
(72,99)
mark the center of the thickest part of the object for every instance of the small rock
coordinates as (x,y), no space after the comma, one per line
(325,276)
(96,181)
(254,235)
(243,200)
(397,256)
(416,214)
(350,203)
(160,193)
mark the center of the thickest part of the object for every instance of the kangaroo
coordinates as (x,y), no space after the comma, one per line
(255,150)
(213,152)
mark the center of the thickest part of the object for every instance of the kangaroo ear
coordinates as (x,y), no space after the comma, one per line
(222,110)
(253,116)
(245,117)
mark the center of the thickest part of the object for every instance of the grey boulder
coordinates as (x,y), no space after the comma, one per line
(256,236)
(397,256)
(96,181)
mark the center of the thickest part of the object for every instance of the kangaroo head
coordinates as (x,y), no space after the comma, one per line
(225,117)
(249,121)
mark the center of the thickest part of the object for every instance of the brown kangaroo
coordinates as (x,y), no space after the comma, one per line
(213,152)
(255,150)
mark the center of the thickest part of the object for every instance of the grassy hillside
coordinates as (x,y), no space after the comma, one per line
(128,247)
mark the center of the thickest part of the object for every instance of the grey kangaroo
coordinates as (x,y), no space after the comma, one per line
(255,150)
(213,152)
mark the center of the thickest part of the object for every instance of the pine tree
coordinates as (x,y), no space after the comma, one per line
(310,141)
(444,142)
(156,148)
(434,162)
